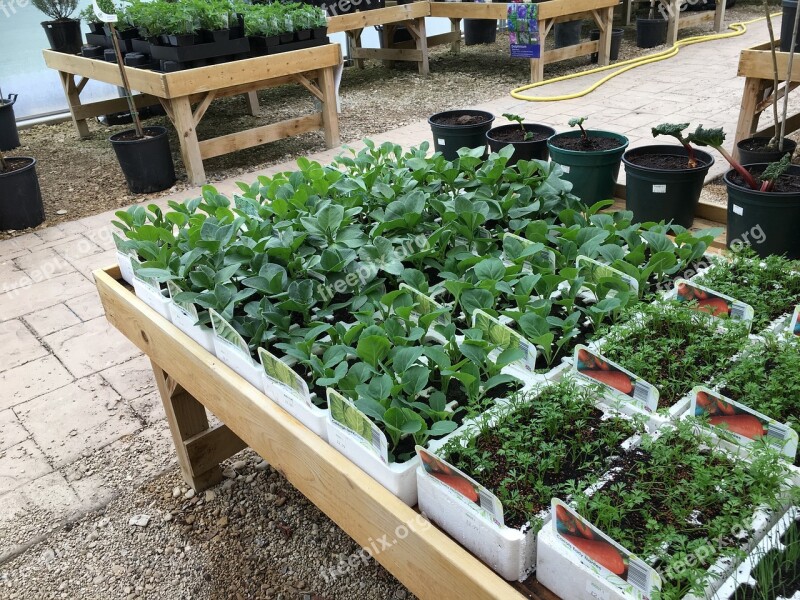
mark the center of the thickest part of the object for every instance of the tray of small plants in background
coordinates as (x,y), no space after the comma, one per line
(671,520)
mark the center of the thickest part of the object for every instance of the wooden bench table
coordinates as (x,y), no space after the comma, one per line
(678,20)
(178,92)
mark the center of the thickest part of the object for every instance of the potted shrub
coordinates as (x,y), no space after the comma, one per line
(63,32)
(663,182)
(9,136)
(528,139)
(760,197)
(590,160)
(463,128)
(20,197)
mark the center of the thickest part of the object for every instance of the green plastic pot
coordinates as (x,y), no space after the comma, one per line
(766,221)
(593,173)
(664,194)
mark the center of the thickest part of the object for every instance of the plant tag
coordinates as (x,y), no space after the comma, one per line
(620,382)
(738,210)
(659,188)
(103,16)
(346,416)
(185,316)
(441,142)
(426,305)
(794,324)
(233,348)
(504,337)
(595,271)
(516,246)
(281,383)
(609,561)
(125,267)
(565,168)
(476,497)
(595,591)
(148,289)
(713,303)
(741,422)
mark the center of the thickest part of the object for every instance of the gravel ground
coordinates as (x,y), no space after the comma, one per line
(82,178)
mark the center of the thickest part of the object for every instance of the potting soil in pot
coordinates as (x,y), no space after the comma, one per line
(580,144)
(785,183)
(515,134)
(661,161)
(462,120)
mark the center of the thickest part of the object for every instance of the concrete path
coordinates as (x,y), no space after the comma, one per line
(79,413)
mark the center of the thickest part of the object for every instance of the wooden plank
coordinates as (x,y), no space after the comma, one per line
(713,213)
(695,19)
(105,107)
(183,120)
(387,54)
(378,16)
(792,124)
(74,103)
(426,560)
(141,80)
(433,40)
(253,106)
(201,109)
(748,116)
(553,9)
(566,52)
(238,72)
(330,109)
(259,135)
(758,63)
(245,88)
(209,448)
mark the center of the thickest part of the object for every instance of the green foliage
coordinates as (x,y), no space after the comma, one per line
(579,121)
(57,10)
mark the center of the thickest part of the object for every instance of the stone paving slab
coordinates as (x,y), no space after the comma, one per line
(75,395)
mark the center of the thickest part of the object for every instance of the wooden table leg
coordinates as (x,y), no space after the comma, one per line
(387,34)
(253,106)
(200,449)
(330,116)
(185,124)
(417,29)
(537,64)
(455,26)
(719,16)
(674,13)
(73,100)
(354,39)
(748,117)
(604,51)
(629,11)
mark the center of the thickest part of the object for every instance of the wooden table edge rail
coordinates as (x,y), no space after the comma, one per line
(755,65)
(191,380)
(313,68)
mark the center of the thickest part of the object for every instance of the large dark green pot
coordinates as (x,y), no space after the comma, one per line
(593,173)
(767,221)
(664,194)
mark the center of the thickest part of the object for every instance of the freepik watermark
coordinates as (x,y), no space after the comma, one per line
(342,7)
(367,271)
(9,8)
(702,555)
(374,547)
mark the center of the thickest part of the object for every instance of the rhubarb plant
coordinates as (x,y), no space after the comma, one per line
(676,131)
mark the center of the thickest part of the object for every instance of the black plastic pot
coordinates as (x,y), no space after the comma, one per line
(216,35)
(616,41)
(287,38)
(767,221)
(651,32)
(183,40)
(96,28)
(787,25)
(20,197)
(567,33)
(9,136)
(92,52)
(64,36)
(751,157)
(480,31)
(146,163)
(531,150)
(655,194)
(592,173)
(302,34)
(448,139)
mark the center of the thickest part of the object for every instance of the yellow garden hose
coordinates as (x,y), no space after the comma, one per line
(627,65)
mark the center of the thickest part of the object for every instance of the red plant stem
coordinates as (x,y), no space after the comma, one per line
(748,179)
(690,152)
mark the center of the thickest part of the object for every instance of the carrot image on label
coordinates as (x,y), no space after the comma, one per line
(712,405)
(574,531)
(705,302)
(745,425)
(446,475)
(600,370)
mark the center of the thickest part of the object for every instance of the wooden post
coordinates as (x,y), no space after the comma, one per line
(674,14)
(187,418)
(253,105)
(455,27)
(719,16)
(354,39)
(184,122)
(387,35)
(748,116)
(537,64)
(604,18)
(74,99)
(330,117)
(417,29)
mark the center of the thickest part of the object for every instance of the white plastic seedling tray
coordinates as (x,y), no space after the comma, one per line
(508,551)
(155,299)
(125,267)
(742,576)
(310,415)
(202,334)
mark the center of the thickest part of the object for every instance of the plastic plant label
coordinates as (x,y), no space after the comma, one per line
(620,382)
(565,168)
(426,305)
(738,210)
(345,415)
(504,337)
(186,315)
(595,591)
(741,422)
(516,245)
(441,142)
(595,271)
(607,559)
(659,188)
(233,349)
(711,302)
(477,497)
(148,289)
(125,267)
(103,16)
(282,384)
(794,324)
